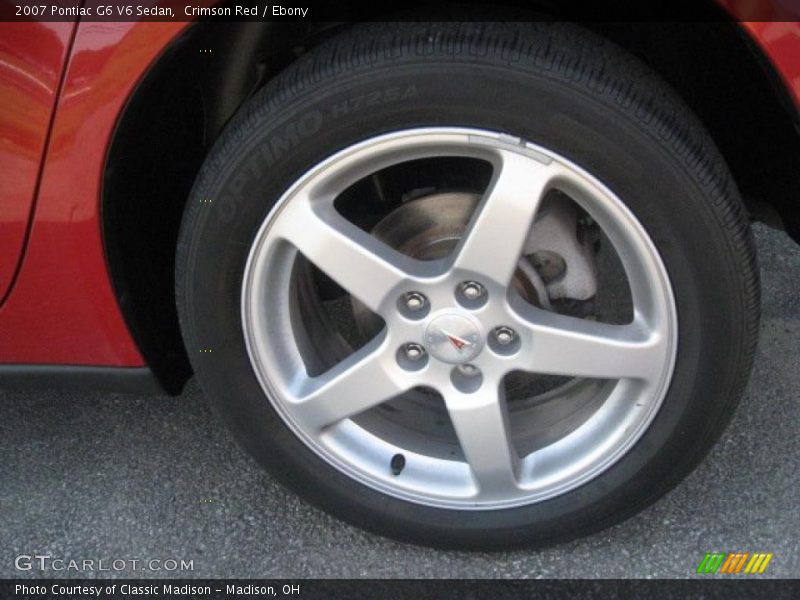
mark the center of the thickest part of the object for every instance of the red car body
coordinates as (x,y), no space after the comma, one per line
(63,88)
(58,303)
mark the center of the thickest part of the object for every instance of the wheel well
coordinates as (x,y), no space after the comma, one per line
(728,82)
(162,137)
(179,108)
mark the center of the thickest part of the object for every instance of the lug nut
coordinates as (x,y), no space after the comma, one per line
(472,290)
(468,370)
(415,301)
(414,352)
(504,335)
(467,379)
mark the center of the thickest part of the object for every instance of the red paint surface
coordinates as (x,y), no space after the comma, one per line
(62,309)
(32,56)
(781,43)
(775,26)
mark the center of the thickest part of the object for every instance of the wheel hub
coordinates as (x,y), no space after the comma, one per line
(453,338)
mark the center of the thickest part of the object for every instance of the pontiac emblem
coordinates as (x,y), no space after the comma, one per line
(453,338)
(457,342)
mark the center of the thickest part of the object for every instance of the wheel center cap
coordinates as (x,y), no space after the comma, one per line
(453,339)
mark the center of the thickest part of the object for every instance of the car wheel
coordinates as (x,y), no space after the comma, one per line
(469,285)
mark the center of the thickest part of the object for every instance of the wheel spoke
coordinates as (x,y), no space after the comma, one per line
(361,381)
(481,423)
(564,345)
(365,267)
(493,245)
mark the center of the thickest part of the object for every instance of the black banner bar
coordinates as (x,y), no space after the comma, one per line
(730,589)
(408,10)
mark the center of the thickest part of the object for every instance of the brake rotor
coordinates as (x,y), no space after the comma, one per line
(429,228)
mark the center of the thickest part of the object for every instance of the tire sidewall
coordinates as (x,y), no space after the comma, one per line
(276,140)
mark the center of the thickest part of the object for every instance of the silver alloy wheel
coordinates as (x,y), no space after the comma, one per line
(635,360)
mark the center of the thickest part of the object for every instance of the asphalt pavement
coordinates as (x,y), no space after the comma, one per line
(95,476)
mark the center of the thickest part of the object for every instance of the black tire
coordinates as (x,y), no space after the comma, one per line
(559,87)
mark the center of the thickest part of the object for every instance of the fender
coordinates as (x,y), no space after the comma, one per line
(62,309)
